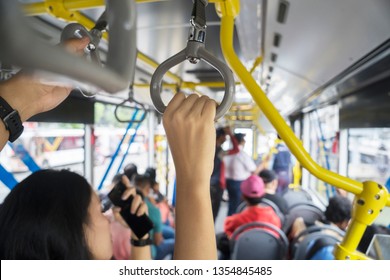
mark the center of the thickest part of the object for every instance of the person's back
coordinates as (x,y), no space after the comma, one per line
(337,215)
(282,165)
(270,180)
(255,213)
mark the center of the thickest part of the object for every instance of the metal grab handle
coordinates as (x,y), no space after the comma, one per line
(138,106)
(20,47)
(194,49)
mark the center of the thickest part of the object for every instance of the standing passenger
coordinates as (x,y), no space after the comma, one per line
(282,165)
(270,180)
(218,183)
(238,168)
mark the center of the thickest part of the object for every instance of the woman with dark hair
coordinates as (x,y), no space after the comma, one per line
(55,215)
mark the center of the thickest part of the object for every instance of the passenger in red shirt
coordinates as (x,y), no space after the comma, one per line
(252,190)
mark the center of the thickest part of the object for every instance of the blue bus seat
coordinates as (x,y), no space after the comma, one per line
(258,241)
(306,244)
(308,211)
(294,197)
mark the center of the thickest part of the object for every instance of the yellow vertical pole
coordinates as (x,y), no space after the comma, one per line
(286,133)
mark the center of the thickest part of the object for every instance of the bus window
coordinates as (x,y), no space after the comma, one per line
(49,148)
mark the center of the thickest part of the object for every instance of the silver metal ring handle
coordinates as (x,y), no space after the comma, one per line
(20,47)
(193,49)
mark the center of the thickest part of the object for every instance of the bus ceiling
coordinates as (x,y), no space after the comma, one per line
(306,46)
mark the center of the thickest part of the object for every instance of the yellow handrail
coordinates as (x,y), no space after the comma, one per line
(370,197)
(40,8)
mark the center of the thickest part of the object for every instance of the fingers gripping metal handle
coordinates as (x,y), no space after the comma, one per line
(193,49)
(20,47)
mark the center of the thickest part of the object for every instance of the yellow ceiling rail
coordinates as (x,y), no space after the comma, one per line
(370,197)
(240,118)
(39,8)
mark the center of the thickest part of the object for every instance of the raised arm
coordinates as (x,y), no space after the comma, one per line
(235,149)
(30,97)
(189,125)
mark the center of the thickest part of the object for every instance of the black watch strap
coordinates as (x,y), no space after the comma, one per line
(141,242)
(11,120)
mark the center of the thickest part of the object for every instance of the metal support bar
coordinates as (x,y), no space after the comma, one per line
(117,150)
(120,59)
(7,178)
(131,142)
(24,156)
(40,8)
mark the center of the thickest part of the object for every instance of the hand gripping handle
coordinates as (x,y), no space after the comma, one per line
(20,47)
(194,49)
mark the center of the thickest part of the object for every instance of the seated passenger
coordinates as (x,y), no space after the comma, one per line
(337,214)
(270,180)
(252,190)
(162,247)
(162,203)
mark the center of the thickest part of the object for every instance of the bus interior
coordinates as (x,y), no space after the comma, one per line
(317,73)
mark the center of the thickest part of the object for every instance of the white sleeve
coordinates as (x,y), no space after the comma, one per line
(249,163)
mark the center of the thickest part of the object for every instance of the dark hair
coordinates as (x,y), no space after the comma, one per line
(117,178)
(268,175)
(130,170)
(220,132)
(142,180)
(43,217)
(150,172)
(339,209)
(252,201)
(240,137)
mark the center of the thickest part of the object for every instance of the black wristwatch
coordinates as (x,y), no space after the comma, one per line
(141,242)
(11,120)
